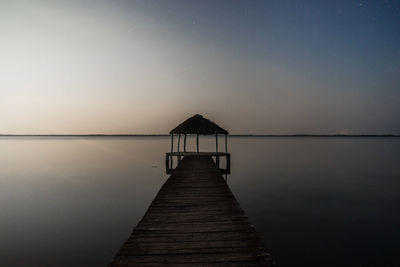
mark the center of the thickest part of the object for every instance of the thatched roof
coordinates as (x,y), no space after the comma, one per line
(198,125)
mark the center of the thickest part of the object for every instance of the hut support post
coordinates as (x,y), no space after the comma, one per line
(172,143)
(228,164)
(172,149)
(216,143)
(197,142)
(216,150)
(179,144)
(226,143)
(184,143)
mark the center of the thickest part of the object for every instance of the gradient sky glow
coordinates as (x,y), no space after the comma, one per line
(272,67)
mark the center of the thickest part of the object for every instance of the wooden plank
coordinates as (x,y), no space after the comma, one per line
(199,258)
(194,220)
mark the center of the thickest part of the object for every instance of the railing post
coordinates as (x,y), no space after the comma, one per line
(167,163)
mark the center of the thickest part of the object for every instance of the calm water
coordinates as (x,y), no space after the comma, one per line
(315,201)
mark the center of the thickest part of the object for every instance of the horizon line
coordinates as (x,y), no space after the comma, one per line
(233,135)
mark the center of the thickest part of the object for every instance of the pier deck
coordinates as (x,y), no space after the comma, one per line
(194,220)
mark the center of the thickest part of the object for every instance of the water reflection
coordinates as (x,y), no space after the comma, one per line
(315,201)
(72,202)
(321,201)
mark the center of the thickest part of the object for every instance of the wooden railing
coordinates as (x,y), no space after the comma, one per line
(169,159)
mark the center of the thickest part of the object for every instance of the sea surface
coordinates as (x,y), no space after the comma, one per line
(315,201)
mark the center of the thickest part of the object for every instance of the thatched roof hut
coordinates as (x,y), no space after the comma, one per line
(198,125)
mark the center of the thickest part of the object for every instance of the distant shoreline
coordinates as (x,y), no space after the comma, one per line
(231,135)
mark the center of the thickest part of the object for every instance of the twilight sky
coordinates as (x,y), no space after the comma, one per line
(273,67)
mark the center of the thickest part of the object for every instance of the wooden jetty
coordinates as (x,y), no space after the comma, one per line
(193,221)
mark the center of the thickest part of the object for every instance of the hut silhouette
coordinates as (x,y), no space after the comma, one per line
(197,125)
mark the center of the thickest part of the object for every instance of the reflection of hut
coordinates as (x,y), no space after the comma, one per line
(197,125)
